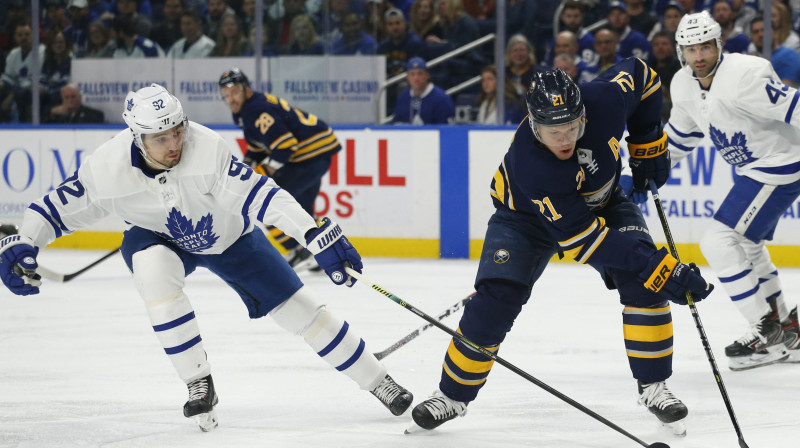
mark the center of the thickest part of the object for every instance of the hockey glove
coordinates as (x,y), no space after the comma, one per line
(333,252)
(626,185)
(672,279)
(253,158)
(649,160)
(18,265)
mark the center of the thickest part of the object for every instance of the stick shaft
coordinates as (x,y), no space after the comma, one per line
(493,356)
(413,335)
(696,315)
(63,278)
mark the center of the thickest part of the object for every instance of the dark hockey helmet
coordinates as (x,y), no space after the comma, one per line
(233,76)
(553,99)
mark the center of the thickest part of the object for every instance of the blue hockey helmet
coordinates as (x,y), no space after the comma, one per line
(553,99)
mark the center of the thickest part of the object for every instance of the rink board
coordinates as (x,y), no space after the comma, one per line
(397,191)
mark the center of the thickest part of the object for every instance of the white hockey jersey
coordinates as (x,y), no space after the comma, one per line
(751,117)
(202,205)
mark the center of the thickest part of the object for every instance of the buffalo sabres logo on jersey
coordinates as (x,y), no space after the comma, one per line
(187,236)
(130,104)
(501,256)
(733,151)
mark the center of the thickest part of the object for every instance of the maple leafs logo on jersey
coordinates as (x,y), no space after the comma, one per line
(735,151)
(187,236)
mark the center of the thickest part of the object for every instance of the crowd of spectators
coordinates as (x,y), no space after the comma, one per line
(399,29)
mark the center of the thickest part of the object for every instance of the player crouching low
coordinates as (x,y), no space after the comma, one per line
(189,203)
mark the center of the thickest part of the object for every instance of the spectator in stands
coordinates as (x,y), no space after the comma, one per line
(130,44)
(373,19)
(459,29)
(423,102)
(100,44)
(304,38)
(168,31)
(283,22)
(566,43)
(17,78)
(520,63)
(479,9)
(231,40)
(78,30)
(16,14)
(354,40)
(782,27)
(400,45)
(673,13)
(217,10)
(56,68)
(688,6)
(533,19)
(99,7)
(605,44)
(515,110)
(785,61)
(72,110)
(631,42)
(733,38)
(665,63)
(248,15)
(641,18)
(744,13)
(331,23)
(193,44)
(267,48)
(130,9)
(424,20)
(55,15)
(567,63)
(572,20)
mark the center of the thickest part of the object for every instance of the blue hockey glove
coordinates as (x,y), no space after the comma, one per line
(333,252)
(672,279)
(626,184)
(649,160)
(18,265)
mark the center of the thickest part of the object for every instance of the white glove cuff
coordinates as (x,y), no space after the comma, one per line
(325,240)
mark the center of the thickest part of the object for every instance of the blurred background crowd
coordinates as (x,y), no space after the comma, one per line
(582,37)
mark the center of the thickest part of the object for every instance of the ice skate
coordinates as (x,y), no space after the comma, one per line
(200,406)
(300,259)
(394,396)
(434,411)
(671,412)
(762,345)
(791,336)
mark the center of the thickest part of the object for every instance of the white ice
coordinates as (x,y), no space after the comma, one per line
(80,367)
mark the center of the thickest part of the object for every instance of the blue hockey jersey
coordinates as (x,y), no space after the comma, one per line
(566,194)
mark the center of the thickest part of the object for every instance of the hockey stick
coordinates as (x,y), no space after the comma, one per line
(63,278)
(411,336)
(703,338)
(500,360)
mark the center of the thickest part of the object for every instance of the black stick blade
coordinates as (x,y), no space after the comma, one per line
(658,445)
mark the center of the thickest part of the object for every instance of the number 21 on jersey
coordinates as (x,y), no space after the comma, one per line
(546,204)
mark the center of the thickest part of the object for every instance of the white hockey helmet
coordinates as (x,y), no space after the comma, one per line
(695,29)
(150,110)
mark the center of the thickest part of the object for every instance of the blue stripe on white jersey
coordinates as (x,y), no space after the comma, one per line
(790,112)
(249,201)
(47,218)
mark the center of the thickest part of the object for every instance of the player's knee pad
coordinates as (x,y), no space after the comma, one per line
(722,247)
(758,255)
(330,337)
(648,336)
(158,273)
(159,276)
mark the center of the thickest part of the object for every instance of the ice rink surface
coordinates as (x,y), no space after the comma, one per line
(81,367)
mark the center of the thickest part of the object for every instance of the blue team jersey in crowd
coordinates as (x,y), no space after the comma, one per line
(286,133)
(433,107)
(565,194)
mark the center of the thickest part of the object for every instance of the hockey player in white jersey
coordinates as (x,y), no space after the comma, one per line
(754,121)
(189,203)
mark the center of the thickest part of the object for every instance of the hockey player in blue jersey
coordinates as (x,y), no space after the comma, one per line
(556,192)
(188,202)
(292,146)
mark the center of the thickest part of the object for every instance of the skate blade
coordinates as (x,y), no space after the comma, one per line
(415,429)
(751,362)
(207,421)
(794,356)
(676,428)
